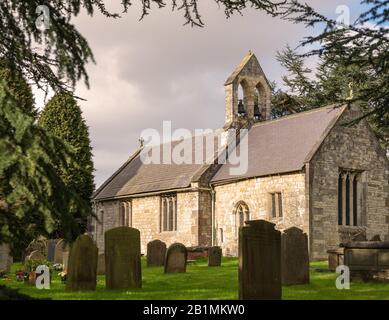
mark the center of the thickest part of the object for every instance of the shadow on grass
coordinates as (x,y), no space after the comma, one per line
(7,293)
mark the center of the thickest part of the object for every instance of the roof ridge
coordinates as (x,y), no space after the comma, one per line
(295,115)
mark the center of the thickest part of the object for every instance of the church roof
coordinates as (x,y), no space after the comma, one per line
(285,144)
(136,177)
(276,146)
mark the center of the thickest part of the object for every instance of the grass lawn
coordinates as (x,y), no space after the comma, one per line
(203,282)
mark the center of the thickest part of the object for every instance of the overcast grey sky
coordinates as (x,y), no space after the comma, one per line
(158,69)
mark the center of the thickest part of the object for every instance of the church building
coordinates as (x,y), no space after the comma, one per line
(309,170)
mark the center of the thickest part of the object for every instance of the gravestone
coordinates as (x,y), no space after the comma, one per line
(51,249)
(259,261)
(156,251)
(39,244)
(101,264)
(295,257)
(36,255)
(59,248)
(65,260)
(82,265)
(122,258)
(5,258)
(175,260)
(214,256)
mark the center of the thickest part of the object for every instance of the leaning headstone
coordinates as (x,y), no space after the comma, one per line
(5,258)
(259,261)
(214,256)
(51,249)
(122,258)
(39,244)
(36,255)
(156,251)
(59,248)
(175,260)
(295,257)
(82,265)
(101,264)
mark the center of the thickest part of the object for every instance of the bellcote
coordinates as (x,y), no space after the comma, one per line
(255,104)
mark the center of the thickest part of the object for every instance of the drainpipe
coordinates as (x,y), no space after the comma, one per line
(213,223)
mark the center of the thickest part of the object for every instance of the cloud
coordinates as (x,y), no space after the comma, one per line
(157,70)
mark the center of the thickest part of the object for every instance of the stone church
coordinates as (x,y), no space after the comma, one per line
(308,170)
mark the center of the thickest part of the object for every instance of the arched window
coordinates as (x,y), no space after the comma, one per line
(242,214)
(257,104)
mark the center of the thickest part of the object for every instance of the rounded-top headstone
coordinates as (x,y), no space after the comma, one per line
(259,261)
(122,258)
(156,251)
(175,260)
(82,265)
(295,257)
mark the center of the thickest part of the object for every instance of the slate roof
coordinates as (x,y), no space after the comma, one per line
(285,144)
(135,176)
(275,146)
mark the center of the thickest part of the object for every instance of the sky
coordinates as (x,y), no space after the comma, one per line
(157,69)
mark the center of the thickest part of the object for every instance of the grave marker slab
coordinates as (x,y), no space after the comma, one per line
(122,258)
(175,260)
(295,257)
(259,261)
(156,251)
(82,265)
(5,258)
(214,256)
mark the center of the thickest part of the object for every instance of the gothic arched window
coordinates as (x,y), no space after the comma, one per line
(242,214)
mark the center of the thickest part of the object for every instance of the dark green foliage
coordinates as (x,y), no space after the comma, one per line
(34,200)
(333,82)
(18,88)
(62,118)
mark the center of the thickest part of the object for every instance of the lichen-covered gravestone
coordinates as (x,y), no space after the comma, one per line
(214,256)
(122,258)
(295,257)
(101,264)
(156,251)
(259,261)
(82,265)
(175,260)
(5,258)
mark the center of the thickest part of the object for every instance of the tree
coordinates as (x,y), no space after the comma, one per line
(333,82)
(38,36)
(62,118)
(34,199)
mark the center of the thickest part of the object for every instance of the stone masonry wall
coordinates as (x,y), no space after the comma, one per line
(256,194)
(145,218)
(353,148)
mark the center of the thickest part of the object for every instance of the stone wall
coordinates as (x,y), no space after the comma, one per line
(256,194)
(146,218)
(354,148)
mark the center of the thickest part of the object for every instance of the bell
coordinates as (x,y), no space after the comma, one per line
(241,110)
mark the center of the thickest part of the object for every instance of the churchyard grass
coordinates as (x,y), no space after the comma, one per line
(203,282)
